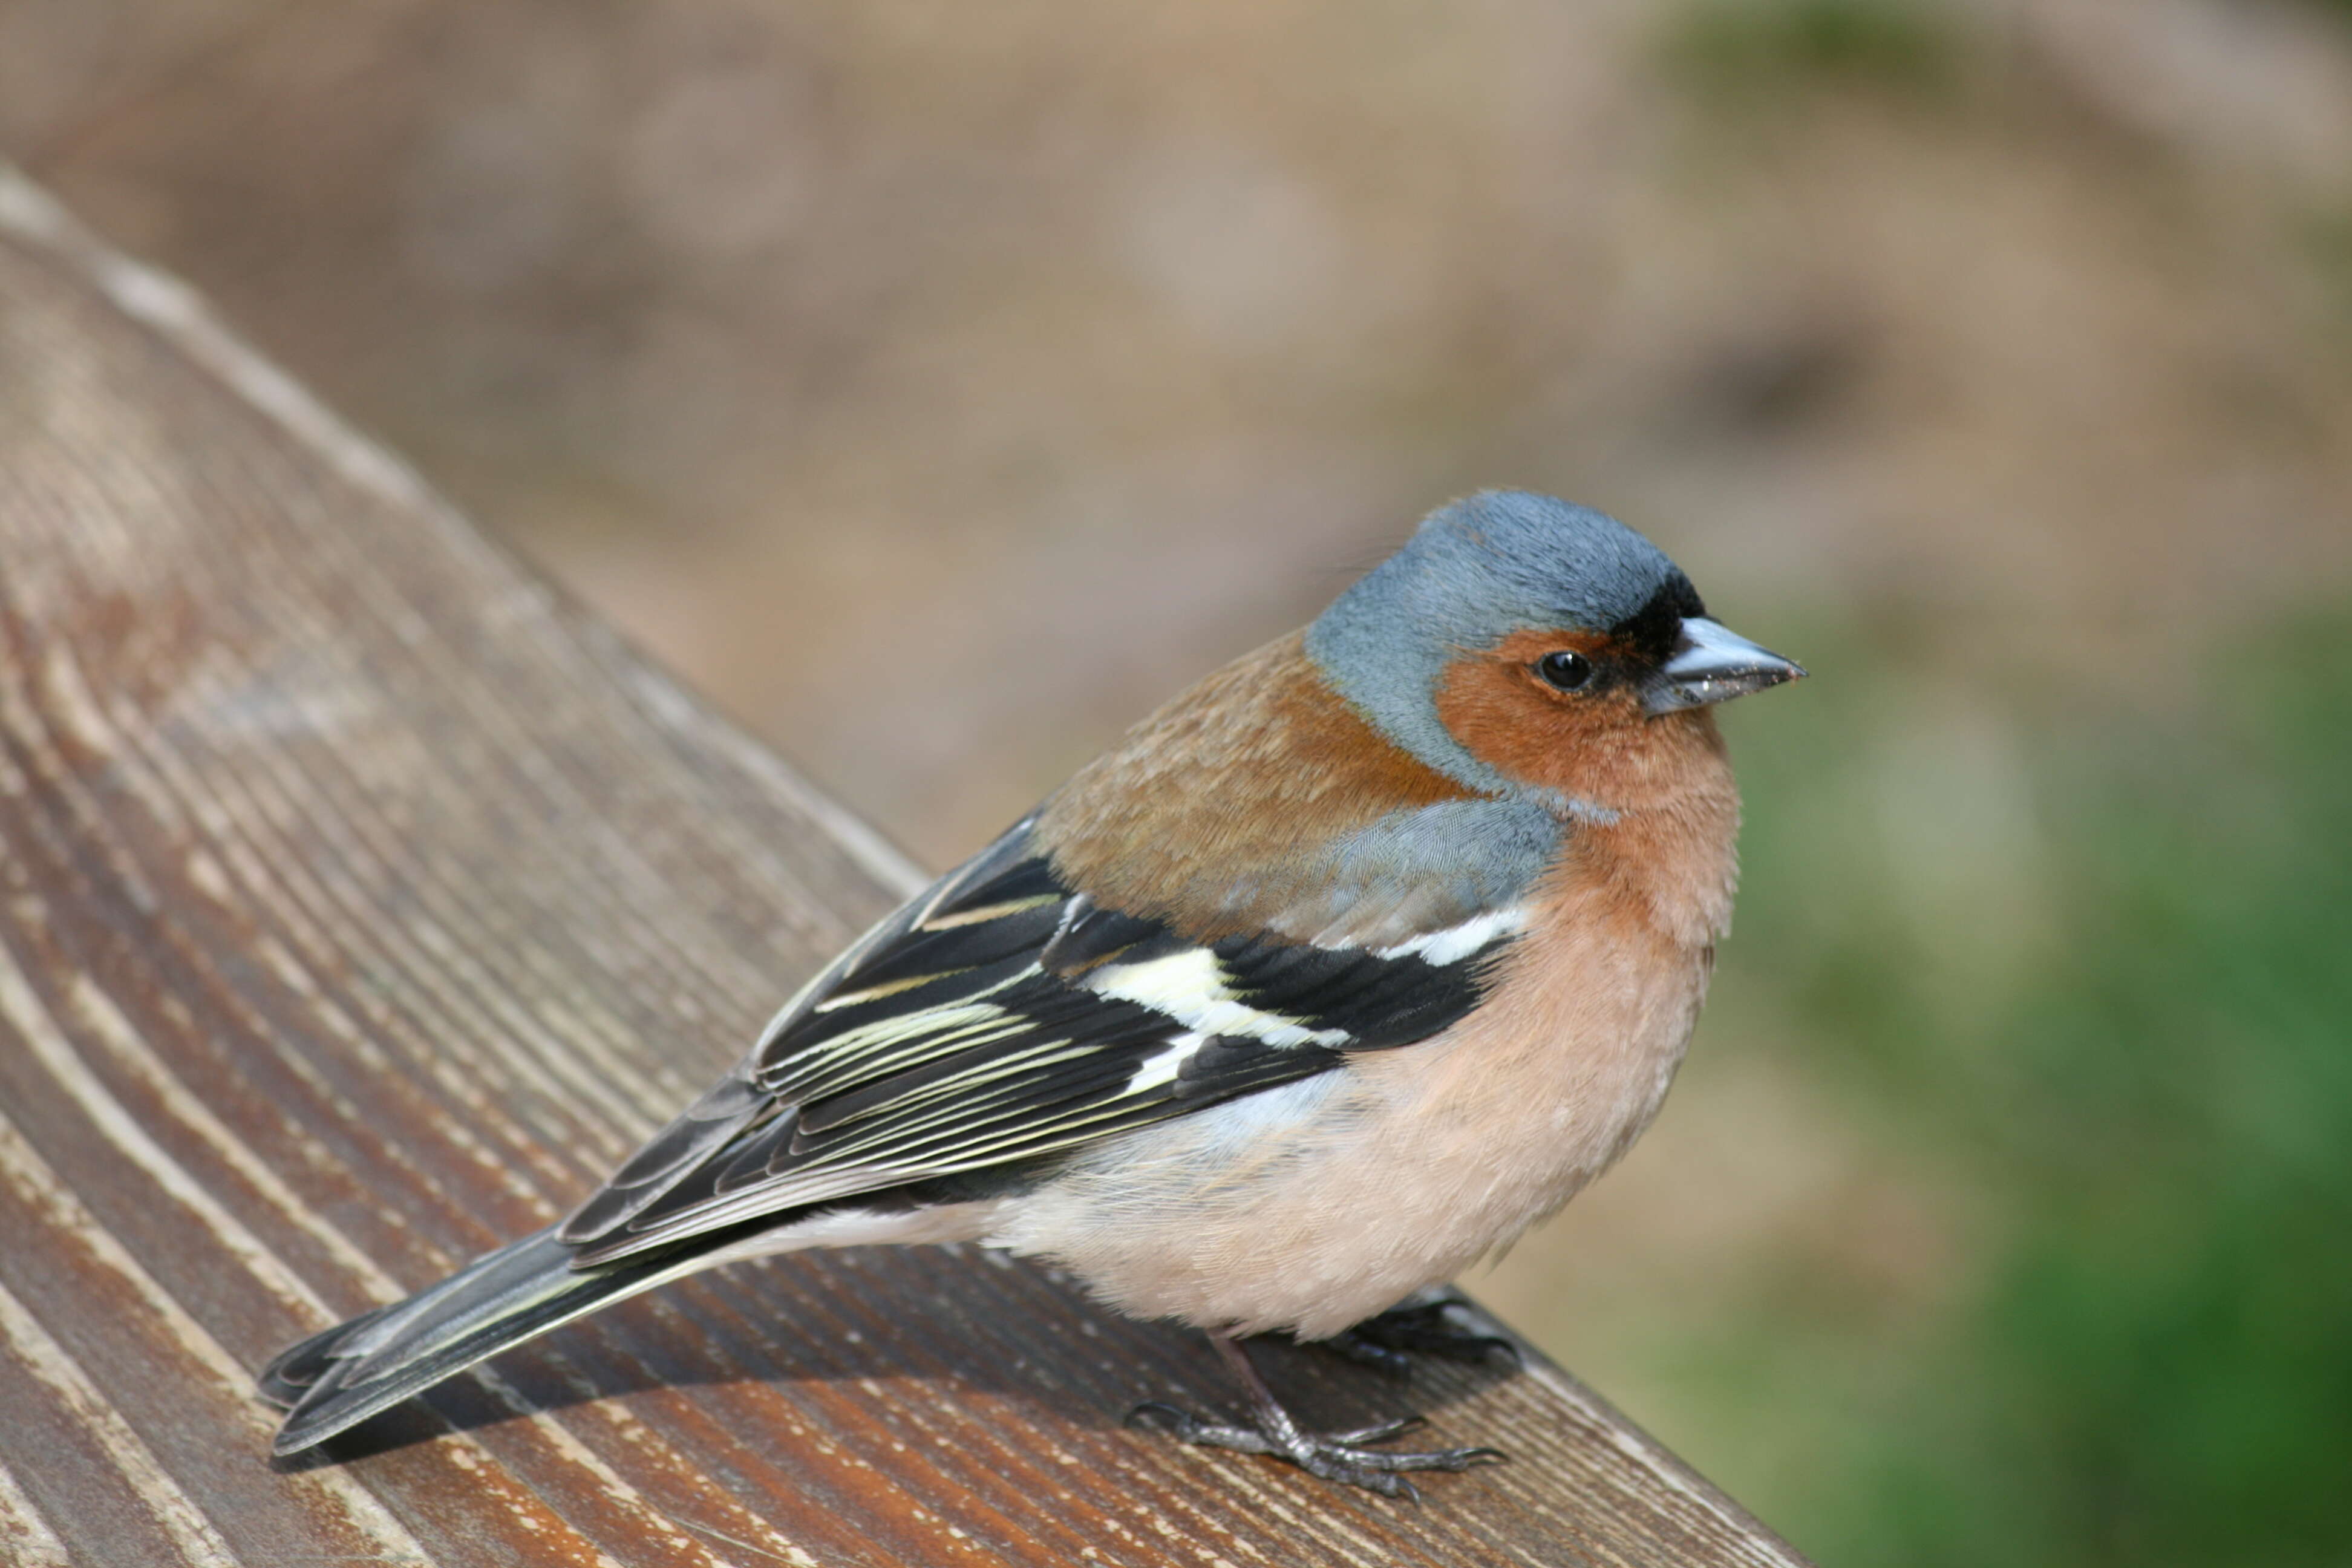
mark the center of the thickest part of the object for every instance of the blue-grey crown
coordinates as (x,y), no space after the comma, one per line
(1474,572)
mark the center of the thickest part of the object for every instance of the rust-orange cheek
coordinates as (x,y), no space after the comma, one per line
(1507,717)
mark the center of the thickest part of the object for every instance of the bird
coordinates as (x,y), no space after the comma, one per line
(1330,977)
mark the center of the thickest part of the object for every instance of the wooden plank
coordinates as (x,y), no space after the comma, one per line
(361,900)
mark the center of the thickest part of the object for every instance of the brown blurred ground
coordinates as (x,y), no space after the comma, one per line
(940,387)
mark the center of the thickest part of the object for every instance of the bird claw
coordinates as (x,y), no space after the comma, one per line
(1364,1351)
(1341,1456)
(1424,1327)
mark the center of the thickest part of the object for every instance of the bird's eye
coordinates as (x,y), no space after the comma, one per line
(1565,669)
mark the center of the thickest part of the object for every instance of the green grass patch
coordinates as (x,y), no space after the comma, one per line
(1745,49)
(2101,967)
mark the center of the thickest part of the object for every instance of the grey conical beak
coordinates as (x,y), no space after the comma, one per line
(1712,662)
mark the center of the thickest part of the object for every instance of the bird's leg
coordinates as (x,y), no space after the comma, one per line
(1333,1456)
(1423,1325)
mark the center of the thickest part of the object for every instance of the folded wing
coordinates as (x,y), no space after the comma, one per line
(1002,1018)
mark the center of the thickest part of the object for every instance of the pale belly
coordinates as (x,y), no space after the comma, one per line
(1314,1205)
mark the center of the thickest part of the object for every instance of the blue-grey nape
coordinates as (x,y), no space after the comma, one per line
(1474,572)
(1437,865)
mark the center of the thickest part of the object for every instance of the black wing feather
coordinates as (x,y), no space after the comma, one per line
(975,1029)
(1378,1001)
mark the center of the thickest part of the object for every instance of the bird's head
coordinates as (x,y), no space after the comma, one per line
(1521,645)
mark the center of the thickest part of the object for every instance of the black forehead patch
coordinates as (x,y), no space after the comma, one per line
(1654,629)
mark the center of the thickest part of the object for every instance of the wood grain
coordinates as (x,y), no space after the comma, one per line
(361,900)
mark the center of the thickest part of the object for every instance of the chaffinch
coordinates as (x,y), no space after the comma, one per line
(1337,972)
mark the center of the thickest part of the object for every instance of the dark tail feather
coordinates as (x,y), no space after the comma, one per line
(335,1381)
(298,1368)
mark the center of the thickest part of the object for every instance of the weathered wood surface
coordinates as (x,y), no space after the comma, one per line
(360,902)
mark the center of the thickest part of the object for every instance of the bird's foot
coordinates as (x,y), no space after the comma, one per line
(1419,1327)
(1343,1457)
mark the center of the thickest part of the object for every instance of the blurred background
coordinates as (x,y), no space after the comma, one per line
(940,387)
